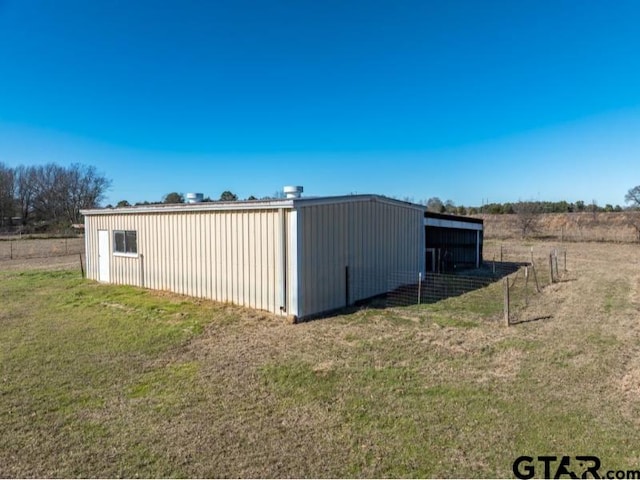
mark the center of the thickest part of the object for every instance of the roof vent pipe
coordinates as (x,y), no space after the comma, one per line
(293,191)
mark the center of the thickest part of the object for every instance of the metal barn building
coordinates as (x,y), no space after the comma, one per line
(452,242)
(297,257)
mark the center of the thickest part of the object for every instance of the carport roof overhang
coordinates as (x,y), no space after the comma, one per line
(451,221)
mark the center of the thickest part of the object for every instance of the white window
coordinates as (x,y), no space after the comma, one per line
(125,242)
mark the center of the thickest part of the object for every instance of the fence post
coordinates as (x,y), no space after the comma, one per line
(526,285)
(555,259)
(66,248)
(81,265)
(11,249)
(500,253)
(505,284)
(419,286)
(551,267)
(535,277)
(346,285)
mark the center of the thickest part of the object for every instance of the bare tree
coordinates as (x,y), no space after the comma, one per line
(582,221)
(83,188)
(633,196)
(7,205)
(57,194)
(528,216)
(633,218)
(450,206)
(48,192)
(24,178)
(434,204)
(593,208)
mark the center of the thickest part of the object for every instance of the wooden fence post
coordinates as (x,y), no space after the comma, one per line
(526,285)
(535,277)
(505,284)
(81,265)
(11,249)
(551,267)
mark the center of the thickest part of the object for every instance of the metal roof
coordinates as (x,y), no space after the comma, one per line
(289,203)
(448,216)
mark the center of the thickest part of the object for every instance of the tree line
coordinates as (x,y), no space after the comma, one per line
(434,204)
(177,197)
(48,194)
(54,195)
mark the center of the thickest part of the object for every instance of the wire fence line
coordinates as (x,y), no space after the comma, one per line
(508,284)
(505,290)
(416,288)
(22,249)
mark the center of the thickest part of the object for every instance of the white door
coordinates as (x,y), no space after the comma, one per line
(103,255)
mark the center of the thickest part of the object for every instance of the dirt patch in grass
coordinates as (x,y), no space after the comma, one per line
(115,381)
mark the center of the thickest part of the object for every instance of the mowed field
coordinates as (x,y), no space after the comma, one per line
(110,381)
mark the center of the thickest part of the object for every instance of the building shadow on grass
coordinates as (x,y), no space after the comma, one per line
(415,288)
(529,320)
(434,287)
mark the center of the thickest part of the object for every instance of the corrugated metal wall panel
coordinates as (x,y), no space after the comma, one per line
(374,239)
(237,256)
(229,256)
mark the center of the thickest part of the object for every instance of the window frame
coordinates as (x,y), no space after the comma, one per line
(125,253)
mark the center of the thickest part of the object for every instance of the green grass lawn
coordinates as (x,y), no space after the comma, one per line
(109,381)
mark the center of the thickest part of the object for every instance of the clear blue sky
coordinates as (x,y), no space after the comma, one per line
(465,100)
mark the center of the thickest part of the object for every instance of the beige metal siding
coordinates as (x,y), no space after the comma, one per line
(292,256)
(230,256)
(374,239)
